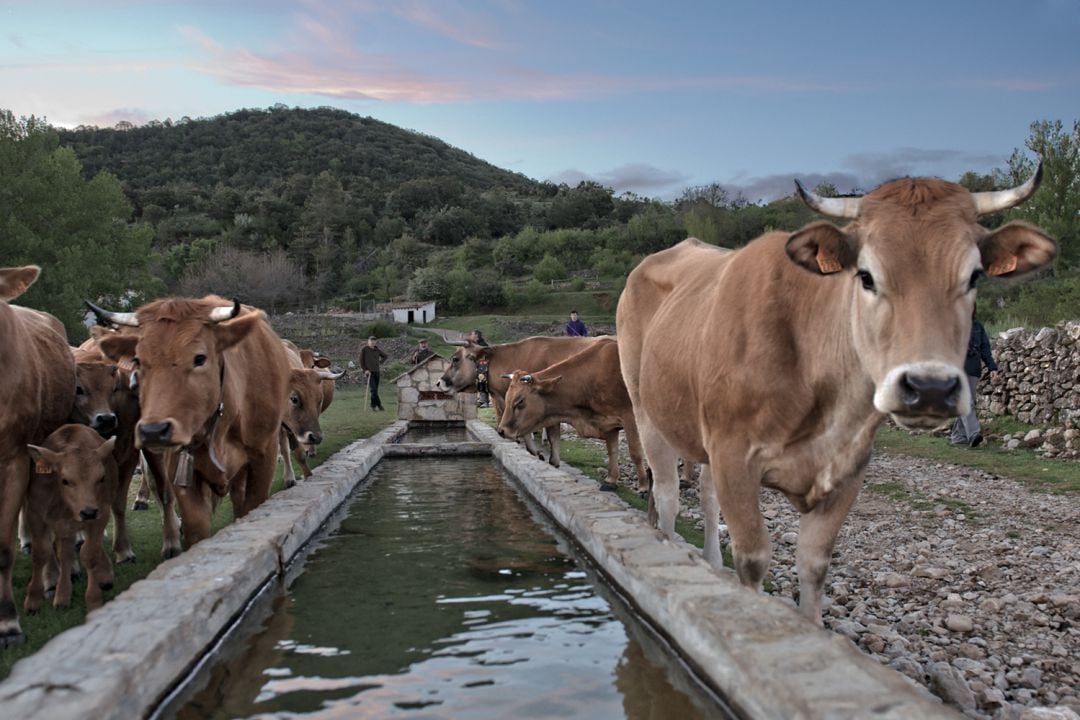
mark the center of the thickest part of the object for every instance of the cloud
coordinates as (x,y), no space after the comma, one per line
(135,116)
(638,178)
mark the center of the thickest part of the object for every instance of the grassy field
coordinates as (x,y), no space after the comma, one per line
(345,421)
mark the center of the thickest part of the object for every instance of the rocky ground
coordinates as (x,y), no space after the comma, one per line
(967,583)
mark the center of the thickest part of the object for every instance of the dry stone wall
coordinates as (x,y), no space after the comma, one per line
(1040,375)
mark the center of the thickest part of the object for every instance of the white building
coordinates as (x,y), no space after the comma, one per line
(410,312)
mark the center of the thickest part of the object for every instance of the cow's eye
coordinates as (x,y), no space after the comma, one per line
(519,405)
(975,278)
(65,482)
(294,399)
(866,279)
(80,390)
(200,360)
(101,480)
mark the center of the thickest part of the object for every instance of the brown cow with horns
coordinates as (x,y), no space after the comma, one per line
(212,382)
(813,338)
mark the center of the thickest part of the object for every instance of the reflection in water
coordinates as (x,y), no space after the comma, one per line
(436,434)
(442,595)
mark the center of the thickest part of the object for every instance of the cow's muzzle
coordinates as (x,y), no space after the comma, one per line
(103,423)
(923,394)
(155,433)
(88,513)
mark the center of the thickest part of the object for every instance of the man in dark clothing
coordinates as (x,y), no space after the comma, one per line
(421,353)
(483,398)
(966,430)
(371,357)
(576,328)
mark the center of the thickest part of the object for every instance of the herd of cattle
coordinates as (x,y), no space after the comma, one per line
(772,365)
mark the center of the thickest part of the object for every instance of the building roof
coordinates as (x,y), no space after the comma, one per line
(420,364)
(404,305)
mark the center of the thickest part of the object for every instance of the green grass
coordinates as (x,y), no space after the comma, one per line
(345,421)
(1038,473)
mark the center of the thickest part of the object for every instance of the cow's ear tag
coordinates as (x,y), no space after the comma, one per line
(828,264)
(42,468)
(1004,266)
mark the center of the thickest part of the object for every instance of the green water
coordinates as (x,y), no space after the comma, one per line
(443,595)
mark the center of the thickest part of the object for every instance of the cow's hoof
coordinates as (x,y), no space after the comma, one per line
(169,553)
(107,585)
(128,557)
(289,483)
(140,505)
(26,548)
(608,487)
(12,636)
(76,575)
(540,457)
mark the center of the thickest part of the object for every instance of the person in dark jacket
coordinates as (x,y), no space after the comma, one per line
(966,430)
(576,328)
(483,398)
(371,358)
(422,353)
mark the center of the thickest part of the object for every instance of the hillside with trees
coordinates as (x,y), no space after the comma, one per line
(291,208)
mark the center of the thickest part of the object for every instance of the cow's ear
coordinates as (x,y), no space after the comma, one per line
(230,332)
(545,386)
(1015,249)
(45,460)
(15,281)
(822,248)
(323,363)
(116,347)
(106,448)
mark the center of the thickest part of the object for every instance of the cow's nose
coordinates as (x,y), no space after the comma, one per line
(313,438)
(157,433)
(936,395)
(104,423)
(88,513)
(500,431)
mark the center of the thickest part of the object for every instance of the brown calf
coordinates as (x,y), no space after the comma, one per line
(587,391)
(36,397)
(307,399)
(73,489)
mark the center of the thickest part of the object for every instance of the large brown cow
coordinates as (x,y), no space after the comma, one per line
(307,398)
(211,382)
(74,485)
(587,391)
(36,397)
(531,354)
(810,339)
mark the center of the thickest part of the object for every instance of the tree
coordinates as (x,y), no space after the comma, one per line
(549,268)
(79,231)
(270,281)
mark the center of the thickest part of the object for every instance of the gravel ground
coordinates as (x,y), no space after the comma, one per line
(966,582)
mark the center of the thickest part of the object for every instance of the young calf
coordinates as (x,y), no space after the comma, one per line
(72,490)
(586,391)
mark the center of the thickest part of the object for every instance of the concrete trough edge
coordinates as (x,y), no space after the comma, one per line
(764,658)
(130,652)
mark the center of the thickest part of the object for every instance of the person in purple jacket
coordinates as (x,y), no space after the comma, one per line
(576,328)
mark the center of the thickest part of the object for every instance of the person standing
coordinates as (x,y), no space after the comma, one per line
(576,328)
(483,397)
(421,353)
(371,359)
(966,430)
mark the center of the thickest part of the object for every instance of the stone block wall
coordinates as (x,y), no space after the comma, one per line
(1039,378)
(420,399)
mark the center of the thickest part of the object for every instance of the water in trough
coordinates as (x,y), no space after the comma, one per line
(444,594)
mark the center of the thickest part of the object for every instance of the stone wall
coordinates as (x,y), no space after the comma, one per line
(1039,378)
(421,380)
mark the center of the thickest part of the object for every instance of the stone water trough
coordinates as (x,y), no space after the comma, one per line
(754,651)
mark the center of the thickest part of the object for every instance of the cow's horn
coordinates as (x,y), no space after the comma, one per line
(508,376)
(327,375)
(114,318)
(458,343)
(998,200)
(225,313)
(833,207)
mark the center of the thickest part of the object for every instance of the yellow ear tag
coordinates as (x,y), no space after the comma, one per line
(1003,266)
(41,467)
(827,264)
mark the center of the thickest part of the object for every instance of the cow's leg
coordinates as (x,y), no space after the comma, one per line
(14,478)
(637,457)
(611,439)
(738,490)
(65,551)
(40,551)
(260,474)
(288,474)
(196,509)
(25,536)
(301,459)
(817,536)
(530,445)
(159,469)
(238,490)
(99,572)
(121,544)
(554,435)
(710,509)
(665,484)
(142,497)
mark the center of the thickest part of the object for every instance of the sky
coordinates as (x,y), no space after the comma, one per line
(642,96)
